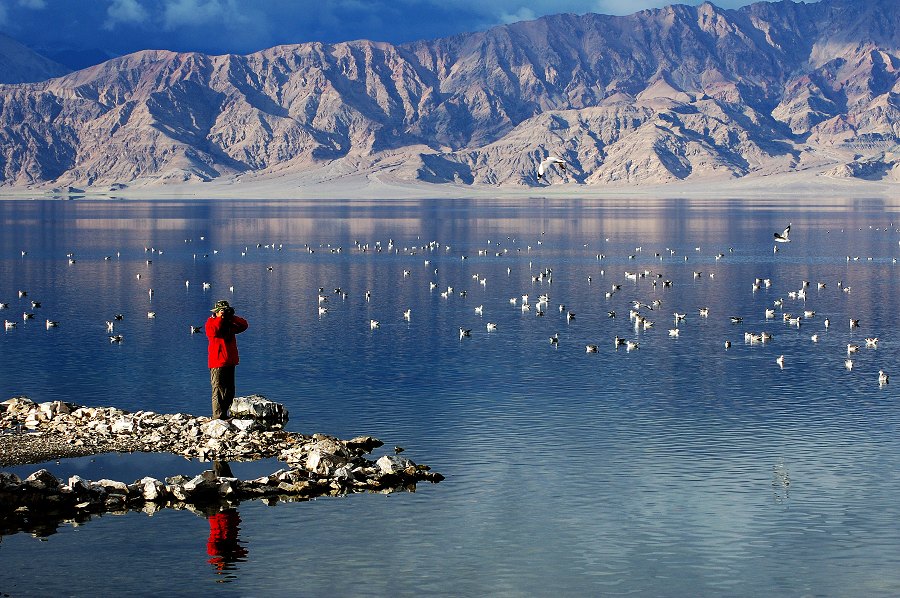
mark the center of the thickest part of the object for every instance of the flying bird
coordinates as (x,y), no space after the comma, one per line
(547,163)
(783,237)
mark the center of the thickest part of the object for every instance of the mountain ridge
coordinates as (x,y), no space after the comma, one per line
(662,95)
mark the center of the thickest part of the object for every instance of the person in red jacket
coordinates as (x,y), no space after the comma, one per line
(221,327)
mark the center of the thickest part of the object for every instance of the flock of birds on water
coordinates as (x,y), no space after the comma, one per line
(642,314)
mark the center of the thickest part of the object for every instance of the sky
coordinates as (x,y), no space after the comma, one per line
(73,31)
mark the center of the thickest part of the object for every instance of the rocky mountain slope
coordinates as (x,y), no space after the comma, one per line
(678,93)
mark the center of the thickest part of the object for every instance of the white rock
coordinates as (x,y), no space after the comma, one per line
(217,428)
(393,464)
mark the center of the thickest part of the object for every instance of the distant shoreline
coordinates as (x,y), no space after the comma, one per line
(379,187)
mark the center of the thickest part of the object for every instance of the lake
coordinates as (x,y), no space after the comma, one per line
(677,468)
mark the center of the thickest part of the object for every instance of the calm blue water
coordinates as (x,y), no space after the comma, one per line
(677,469)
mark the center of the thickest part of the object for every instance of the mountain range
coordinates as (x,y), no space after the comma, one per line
(678,93)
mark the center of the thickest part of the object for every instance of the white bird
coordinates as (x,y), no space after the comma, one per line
(872,343)
(7,325)
(814,338)
(673,332)
(196,329)
(547,163)
(882,378)
(848,363)
(479,310)
(151,314)
(783,237)
(780,361)
(463,332)
(491,327)
(590,348)
(407,315)
(373,324)
(51,324)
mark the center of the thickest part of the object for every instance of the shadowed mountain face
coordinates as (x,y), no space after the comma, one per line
(661,95)
(18,64)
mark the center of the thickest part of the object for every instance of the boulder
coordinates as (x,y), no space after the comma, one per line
(391,464)
(217,428)
(258,407)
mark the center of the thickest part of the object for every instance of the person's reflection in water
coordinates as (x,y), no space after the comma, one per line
(223,545)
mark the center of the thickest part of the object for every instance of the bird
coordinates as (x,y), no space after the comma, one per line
(814,338)
(27,316)
(407,315)
(852,349)
(464,332)
(848,363)
(196,329)
(872,343)
(854,323)
(882,378)
(491,327)
(736,319)
(554,340)
(783,237)
(704,312)
(35,304)
(117,338)
(118,317)
(479,310)
(727,344)
(373,324)
(590,348)
(7,325)
(151,314)
(547,163)
(780,361)
(4,305)
(827,323)
(673,332)
(51,324)
(631,345)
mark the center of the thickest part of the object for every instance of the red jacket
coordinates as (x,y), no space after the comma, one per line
(223,349)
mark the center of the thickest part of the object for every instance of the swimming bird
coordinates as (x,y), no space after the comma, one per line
(373,324)
(848,363)
(407,315)
(852,349)
(51,324)
(4,305)
(783,237)
(814,338)
(554,340)
(704,312)
(727,344)
(673,332)
(780,361)
(118,338)
(27,316)
(590,348)
(323,310)
(547,163)
(610,314)
(570,316)
(882,378)
(736,319)
(7,325)
(827,323)
(464,332)
(491,327)
(872,343)
(151,314)
(35,304)
(118,317)
(479,310)
(631,345)
(854,323)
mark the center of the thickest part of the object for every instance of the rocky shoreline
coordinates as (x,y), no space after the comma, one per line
(316,466)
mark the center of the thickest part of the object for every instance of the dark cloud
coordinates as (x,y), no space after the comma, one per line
(87,30)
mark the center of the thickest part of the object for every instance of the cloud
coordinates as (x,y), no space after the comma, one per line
(124,12)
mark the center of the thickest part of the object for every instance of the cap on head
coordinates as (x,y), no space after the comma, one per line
(220,305)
